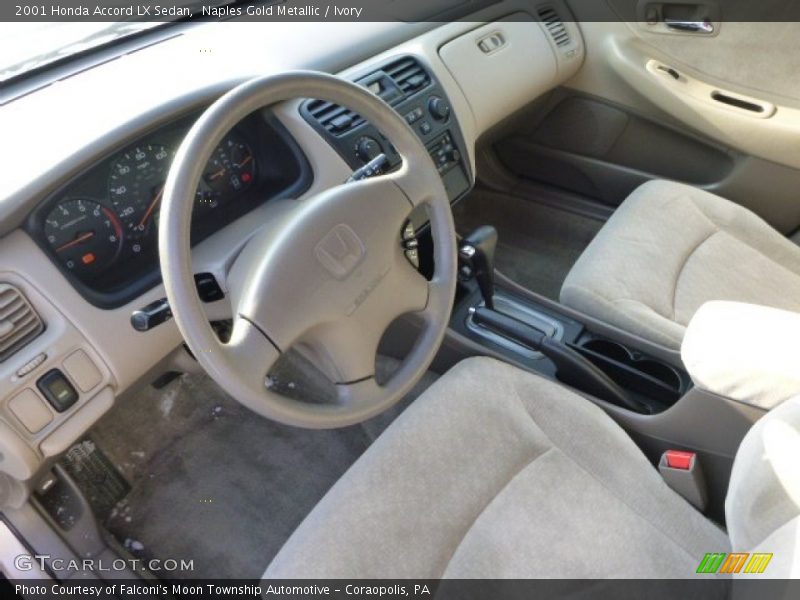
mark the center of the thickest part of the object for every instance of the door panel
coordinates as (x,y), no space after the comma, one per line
(719,110)
(694,99)
(591,147)
(754,44)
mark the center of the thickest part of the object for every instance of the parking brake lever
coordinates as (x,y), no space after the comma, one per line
(571,367)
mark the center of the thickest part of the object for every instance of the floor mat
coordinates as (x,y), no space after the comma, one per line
(214,483)
(538,244)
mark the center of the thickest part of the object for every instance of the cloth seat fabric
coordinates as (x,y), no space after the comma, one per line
(667,250)
(498,473)
(762,507)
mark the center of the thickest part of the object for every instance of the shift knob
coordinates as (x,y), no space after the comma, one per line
(477,250)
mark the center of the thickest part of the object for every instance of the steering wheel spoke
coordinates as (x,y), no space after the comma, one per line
(411,290)
(343,351)
(251,353)
(358,393)
(417,189)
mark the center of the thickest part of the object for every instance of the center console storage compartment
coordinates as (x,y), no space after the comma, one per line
(633,370)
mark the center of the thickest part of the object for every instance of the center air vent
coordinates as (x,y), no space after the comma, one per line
(19,323)
(408,74)
(334,118)
(555,26)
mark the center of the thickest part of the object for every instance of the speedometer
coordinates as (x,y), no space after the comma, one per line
(135,187)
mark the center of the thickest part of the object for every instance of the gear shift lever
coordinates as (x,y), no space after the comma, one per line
(477,250)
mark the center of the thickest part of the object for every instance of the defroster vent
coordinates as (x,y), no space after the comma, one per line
(555,26)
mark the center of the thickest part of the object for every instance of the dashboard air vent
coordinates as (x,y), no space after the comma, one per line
(334,118)
(554,25)
(19,323)
(408,74)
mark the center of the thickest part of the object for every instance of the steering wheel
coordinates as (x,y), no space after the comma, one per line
(327,278)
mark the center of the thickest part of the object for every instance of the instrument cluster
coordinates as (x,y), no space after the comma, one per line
(101,229)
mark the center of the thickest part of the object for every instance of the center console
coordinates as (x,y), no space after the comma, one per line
(542,339)
(409,87)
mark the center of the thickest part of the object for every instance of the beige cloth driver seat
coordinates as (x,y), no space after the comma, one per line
(498,473)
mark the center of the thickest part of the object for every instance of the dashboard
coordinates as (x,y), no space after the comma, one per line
(101,227)
(79,213)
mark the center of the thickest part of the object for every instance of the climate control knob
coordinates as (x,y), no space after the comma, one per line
(368,148)
(439,108)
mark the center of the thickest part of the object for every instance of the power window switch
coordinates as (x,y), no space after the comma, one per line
(57,390)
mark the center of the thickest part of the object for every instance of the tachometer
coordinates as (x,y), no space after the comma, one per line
(135,187)
(85,235)
(232,167)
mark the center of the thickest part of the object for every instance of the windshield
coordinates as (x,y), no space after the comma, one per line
(27,46)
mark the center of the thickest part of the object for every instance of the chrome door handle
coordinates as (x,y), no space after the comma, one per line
(702,27)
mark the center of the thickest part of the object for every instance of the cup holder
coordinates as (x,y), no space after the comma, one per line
(610,350)
(659,371)
(635,372)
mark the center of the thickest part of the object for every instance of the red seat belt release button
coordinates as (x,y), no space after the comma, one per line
(681,471)
(678,459)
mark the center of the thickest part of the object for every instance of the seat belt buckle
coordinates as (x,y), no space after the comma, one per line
(679,459)
(681,471)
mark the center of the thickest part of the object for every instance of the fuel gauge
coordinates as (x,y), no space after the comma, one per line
(231,168)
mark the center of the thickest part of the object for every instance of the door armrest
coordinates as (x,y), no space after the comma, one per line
(744,352)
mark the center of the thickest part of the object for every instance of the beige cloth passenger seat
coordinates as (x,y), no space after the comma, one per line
(667,250)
